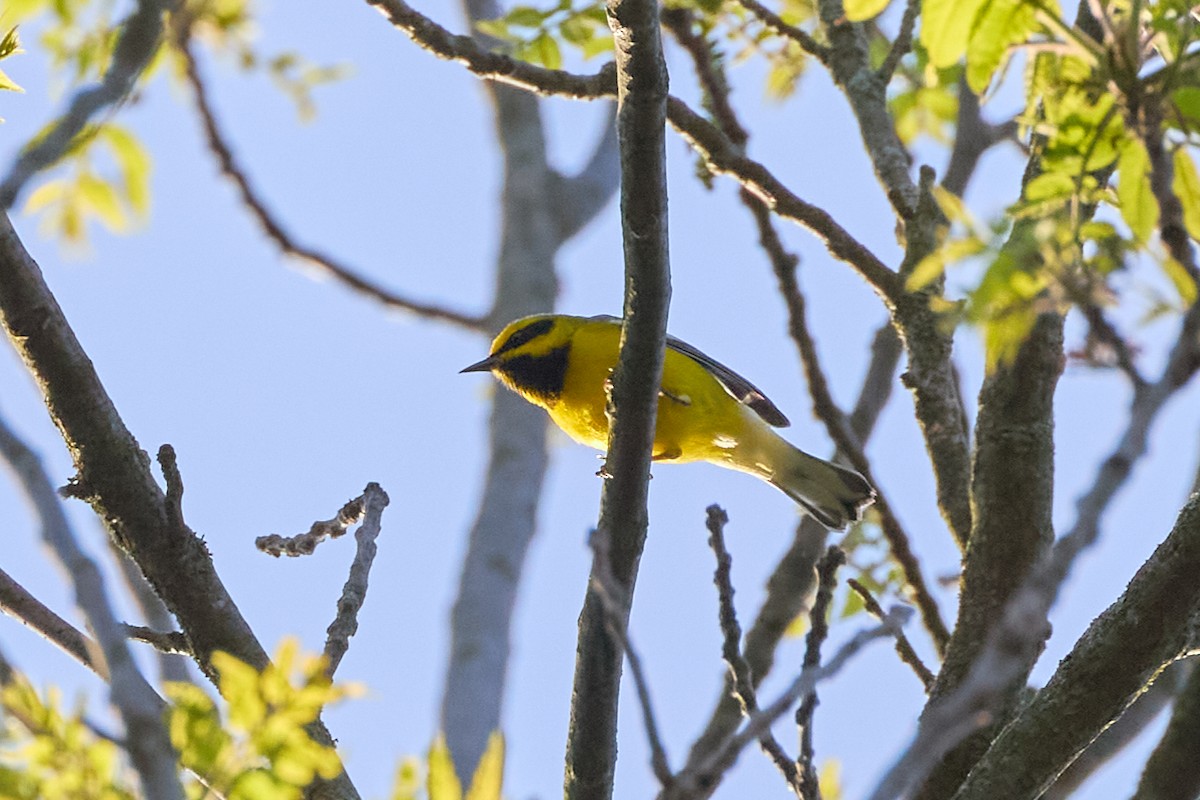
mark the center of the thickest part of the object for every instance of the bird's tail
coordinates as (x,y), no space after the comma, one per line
(835,496)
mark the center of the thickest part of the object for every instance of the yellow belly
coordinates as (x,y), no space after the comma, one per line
(697,419)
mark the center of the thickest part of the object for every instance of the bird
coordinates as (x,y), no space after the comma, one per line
(706,411)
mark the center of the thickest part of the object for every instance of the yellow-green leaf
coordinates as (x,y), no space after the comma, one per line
(860,10)
(7,83)
(1186,187)
(442,783)
(1139,208)
(134,163)
(489,775)
(830,778)
(1181,280)
(946,27)
(998,25)
(101,199)
(45,195)
(408,779)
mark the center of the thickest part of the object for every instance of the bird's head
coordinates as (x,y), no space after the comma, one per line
(530,356)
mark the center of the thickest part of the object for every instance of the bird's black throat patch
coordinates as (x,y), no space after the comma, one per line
(541,376)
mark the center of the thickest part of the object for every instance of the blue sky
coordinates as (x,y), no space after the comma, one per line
(284,395)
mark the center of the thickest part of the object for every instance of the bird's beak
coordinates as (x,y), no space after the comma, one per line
(481,366)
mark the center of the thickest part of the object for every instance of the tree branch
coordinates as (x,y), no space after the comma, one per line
(1012,491)
(271,226)
(641,117)
(114,476)
(494,66)
(372,502)
(140,709)
(579,198)
(1172,770)
(19,604)
(1110,665)
(739,672)
(137,42)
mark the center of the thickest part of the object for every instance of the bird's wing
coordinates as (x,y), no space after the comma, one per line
(742,390)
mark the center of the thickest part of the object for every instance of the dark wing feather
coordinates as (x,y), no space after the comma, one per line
(741,389)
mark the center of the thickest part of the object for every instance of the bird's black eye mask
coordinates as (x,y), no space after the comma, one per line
(526,334)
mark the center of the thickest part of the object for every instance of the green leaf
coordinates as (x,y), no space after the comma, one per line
(1181,280)
(862,10)
(526,17)
(577,30)
(946,27)
(489,775)
(101,199)
(442,783)
(1186,187)
(1049,184)
(998,25)
(1187,100)
(546,52)
(1139,208)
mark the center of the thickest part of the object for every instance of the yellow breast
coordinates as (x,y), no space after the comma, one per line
(697,418)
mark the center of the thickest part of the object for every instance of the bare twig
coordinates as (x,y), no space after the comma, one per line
(731,636)
(903,42)
(168,642)
(721,155)
(137,43)
(19,604)
(494,66)
(792,580)
(907,654)
(773,21)
(372,502)
(818,631)
(136,703)
(272,227)
(699,782)
(303,544)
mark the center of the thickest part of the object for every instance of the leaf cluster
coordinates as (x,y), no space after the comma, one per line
(259,747)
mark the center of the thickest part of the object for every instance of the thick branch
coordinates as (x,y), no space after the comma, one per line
(1152,624)
(1173,772)
(1012,490)
(641,117)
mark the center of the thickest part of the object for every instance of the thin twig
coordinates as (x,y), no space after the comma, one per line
(721,155)
(907,654)
(169,642)
(354,593)
(773,21)
(902,43)
(739,669)
(274,230)
(18,603)
(818,631)
(303,544)
(493,65)
(695,782)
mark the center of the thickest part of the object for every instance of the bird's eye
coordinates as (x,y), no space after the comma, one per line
(522,335)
